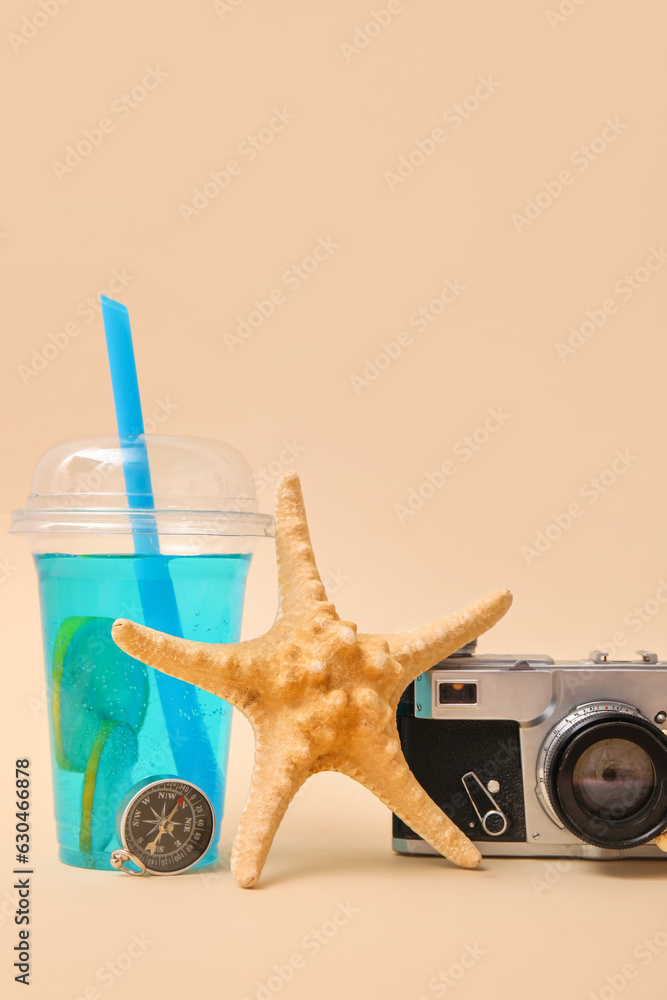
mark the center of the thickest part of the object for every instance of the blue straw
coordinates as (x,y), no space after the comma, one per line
(190,746)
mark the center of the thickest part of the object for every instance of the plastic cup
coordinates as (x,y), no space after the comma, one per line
(116,723)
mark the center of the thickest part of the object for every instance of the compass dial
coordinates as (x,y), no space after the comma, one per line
(168,825)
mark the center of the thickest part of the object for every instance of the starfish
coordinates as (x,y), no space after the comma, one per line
(319,695)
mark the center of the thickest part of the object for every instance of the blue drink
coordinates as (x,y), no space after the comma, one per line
(112,725)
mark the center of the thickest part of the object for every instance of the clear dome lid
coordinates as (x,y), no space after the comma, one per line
(196,486)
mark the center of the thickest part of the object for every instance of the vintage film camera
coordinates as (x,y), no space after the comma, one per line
(535,758)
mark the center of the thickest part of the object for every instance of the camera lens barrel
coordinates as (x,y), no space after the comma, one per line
(604,771)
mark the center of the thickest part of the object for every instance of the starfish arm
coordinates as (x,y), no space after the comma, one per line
(215,667)
(393,783)
(423,647)
(275,782)
(298,577)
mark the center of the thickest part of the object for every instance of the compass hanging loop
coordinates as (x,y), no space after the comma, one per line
(119,859)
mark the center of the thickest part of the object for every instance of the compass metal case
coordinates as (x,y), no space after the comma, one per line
(166,825)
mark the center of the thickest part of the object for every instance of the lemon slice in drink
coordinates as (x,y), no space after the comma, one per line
(107,778)
(65,634)
(93,681)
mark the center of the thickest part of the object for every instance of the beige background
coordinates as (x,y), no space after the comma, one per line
(222,72)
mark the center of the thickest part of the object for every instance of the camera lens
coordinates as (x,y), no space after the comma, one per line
(605,773)
(613,778)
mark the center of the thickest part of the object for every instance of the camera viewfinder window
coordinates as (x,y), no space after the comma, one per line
(453,693)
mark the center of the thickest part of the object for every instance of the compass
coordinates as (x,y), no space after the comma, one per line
(166,827)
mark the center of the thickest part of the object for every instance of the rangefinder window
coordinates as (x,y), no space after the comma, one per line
(455,693)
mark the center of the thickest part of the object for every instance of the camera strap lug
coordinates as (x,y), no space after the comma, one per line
(598,656)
